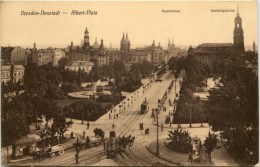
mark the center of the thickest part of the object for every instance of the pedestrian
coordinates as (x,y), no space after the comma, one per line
(87,143)
(77,158)
(34,156)
(88,124)
(190,158)
(84,133)
(162,127)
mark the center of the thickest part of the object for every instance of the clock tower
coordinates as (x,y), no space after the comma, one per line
(239,34)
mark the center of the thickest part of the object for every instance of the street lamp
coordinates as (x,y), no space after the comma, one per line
(128,101)
(157,146)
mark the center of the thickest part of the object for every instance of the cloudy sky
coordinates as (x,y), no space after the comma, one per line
(144,22)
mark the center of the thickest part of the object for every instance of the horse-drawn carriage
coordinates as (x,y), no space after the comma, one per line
(55,150)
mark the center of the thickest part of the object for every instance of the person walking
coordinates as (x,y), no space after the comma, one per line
(162,127)
(88,125)
(77,158)
(87,143)
(190,158)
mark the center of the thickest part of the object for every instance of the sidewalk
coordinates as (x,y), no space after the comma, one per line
(219,156)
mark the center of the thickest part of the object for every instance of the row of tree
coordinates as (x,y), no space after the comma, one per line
(233,110)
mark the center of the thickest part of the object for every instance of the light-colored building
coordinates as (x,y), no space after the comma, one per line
(5,73)
(137,56)
(85,66)
(18,73)
(57,55)
(14,73)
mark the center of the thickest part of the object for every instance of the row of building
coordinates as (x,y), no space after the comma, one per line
(98,55)
(85,56)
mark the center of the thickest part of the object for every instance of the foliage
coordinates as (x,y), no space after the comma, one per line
(210,143)
(233,109)
(180,141)
(91,111)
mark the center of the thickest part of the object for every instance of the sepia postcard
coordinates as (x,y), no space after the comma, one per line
(129,83)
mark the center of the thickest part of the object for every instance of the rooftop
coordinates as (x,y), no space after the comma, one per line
(215,45)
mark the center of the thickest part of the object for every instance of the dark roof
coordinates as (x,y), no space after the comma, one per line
(215,45)
(25,140)
(6,52)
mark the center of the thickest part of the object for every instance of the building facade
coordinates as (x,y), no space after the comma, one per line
(209,53)
(14,73)
(85,66)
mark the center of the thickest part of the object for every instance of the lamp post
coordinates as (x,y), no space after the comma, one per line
(157,146)
(128,101)
(124,105)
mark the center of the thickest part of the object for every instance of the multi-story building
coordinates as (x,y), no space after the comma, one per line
(208,53)
(5,73)
(14,73)
(18,73)
(45,56)
(15,55)
(137,56)
(57,55)
(85,66)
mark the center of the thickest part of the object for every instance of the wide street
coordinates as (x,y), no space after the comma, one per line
(127,124)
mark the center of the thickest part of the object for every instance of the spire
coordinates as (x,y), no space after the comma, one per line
(71,44)
(126,36)
(101,44)
(237,10)
(172,42)
(86,31)
(34,45)
(123,38)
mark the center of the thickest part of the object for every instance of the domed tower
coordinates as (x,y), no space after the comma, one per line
(86,39)
(239,34)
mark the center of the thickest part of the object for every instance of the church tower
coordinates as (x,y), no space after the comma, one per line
(86,39)
(239,34)
(125,44)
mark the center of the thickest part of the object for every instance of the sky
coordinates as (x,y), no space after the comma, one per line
(143,21)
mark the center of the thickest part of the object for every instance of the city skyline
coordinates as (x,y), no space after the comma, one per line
(142,27)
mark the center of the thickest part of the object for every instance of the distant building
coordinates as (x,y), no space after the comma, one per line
(85,66)
(57,55)
(15,55)
(208,53)
(14,73)
(45,56)
(125,44)
(137,56)
(5,73)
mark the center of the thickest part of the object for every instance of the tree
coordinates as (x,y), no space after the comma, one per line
(210,143)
